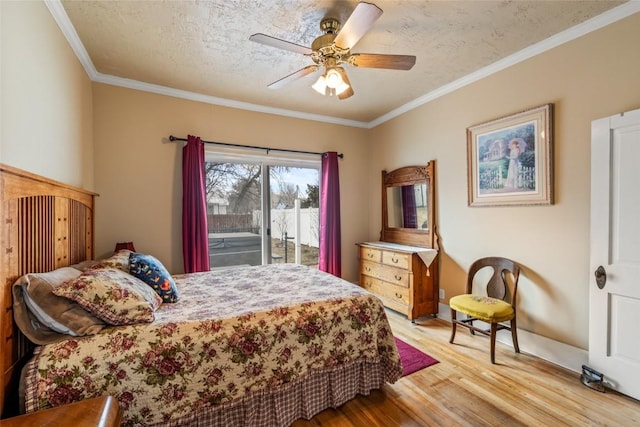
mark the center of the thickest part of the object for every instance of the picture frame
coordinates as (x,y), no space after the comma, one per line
(510,159)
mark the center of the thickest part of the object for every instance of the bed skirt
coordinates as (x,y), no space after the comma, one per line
(303,398)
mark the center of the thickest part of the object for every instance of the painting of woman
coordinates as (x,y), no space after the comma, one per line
(516,147)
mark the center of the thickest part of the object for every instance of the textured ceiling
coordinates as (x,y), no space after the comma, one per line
(203,46)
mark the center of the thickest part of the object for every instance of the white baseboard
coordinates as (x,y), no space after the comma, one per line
(561,354)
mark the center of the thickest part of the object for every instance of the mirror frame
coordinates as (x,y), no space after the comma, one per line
(410,175)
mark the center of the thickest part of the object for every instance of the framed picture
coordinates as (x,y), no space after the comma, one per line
(510,160)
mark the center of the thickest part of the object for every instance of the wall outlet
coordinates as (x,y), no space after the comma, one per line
(441,293)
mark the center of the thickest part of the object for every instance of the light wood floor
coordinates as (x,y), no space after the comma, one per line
(465,389)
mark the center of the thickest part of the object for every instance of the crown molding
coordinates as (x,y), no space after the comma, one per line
(193,96)
(69,31)
(593,24)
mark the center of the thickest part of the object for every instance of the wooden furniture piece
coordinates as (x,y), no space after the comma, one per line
(498,305)
(400,279)
(97,412)
(45,225)
(402,268)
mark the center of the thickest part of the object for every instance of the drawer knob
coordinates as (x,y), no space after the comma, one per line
(399,296)
(398,278)
(394,260)
(367,268)
(370,255)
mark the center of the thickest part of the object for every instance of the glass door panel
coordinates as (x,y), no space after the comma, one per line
(294,214)
(234,200)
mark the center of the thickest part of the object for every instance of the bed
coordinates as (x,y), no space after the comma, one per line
(228,352)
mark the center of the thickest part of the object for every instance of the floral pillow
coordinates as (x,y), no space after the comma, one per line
(85,265)
(151,271)
(112,295)
(119,260)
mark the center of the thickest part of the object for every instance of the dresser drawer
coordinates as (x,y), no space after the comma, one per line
(396,259)
(395,293)
(393,275)
(370,254)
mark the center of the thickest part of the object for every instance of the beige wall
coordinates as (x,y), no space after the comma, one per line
(46,98)
(591,77)
(138,173)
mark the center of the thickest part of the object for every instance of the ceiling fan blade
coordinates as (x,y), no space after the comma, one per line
(293,76)
(280,44)
(349,92)
(360,21)
(391,62)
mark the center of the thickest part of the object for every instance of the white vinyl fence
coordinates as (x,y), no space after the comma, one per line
(305,230)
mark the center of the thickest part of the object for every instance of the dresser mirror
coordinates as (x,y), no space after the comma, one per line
(408,206)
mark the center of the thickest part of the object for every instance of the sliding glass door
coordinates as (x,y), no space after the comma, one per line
(294,193)
(241,230)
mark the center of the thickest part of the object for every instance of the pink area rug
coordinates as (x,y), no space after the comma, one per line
(412,359)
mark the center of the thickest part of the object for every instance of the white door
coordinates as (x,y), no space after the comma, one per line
(614,303)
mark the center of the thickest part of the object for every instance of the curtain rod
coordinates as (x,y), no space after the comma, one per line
(227,144)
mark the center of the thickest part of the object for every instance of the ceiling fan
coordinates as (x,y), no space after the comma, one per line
(333,49)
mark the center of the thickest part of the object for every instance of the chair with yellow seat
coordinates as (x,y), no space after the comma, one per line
(495,307)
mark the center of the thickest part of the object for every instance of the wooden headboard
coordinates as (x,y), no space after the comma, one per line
(45,225)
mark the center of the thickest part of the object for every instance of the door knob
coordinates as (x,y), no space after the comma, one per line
(601,277)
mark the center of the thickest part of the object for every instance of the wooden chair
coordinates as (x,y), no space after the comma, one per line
(493,308)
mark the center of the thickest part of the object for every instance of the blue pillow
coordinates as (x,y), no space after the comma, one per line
(151,271)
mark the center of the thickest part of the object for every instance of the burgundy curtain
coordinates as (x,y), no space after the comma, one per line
(329,257)
(195,237)
(409,211)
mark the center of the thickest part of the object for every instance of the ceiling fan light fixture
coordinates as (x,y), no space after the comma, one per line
(333,78)
(341,88)
(330,83)
(320,86)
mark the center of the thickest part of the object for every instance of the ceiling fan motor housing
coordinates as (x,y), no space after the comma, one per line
(324,41)
(325,52)
(329,25)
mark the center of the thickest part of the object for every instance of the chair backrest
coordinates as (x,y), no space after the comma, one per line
(497,285)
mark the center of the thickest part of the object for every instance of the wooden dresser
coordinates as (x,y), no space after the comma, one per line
(400,279)
(402,268)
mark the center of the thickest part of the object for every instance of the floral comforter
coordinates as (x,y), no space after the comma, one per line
(233,333)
